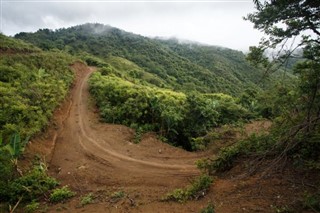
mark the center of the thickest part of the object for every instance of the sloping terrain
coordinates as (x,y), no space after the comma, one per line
(98,158)
(102,159)
(184,67)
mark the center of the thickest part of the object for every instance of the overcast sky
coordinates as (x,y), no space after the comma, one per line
(210,22)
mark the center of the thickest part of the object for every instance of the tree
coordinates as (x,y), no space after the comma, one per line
(282,19)
(285,21)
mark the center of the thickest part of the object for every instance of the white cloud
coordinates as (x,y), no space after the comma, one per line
(52,22)
(215,23)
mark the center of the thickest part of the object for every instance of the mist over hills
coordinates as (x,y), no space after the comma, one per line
(182,66)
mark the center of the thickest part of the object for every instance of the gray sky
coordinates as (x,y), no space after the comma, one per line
(210,22)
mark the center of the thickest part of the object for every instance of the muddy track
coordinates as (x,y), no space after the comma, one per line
(82,141)
(91,156)
(96,147)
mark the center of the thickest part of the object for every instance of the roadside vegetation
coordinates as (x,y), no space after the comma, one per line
(196,190)
(32,84)
(294,109)
(177,116)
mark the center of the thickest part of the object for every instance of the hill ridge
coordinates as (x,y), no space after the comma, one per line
(200,68)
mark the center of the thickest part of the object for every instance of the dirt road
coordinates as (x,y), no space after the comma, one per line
(91,156)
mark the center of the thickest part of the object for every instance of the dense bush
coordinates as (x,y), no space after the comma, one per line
(124,102)
(28,187)
(250,147)
(295,109)
(61,194)
(31,86)
(33,184)
(175,115)
(6,172)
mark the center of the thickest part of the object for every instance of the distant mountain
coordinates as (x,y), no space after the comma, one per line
(181,66)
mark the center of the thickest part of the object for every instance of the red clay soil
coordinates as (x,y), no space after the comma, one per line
(99,158)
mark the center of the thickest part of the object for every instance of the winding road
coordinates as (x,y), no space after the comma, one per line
(89,154)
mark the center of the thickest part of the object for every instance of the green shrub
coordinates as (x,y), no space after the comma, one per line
(199,186)
(32,207)
(7,43)
(140,130)
(137,136)
(179,195)
(174,115)
(31,85)
(87,199)
(208,209)
(6,173)
(30,186)
(13,187)
(117,195)
(226,157)
(222,162)
(61,194)
(196,190)
(124,102)
(92,60)
(252,146)
(199,143)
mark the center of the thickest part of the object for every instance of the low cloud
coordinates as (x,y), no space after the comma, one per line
(216,23)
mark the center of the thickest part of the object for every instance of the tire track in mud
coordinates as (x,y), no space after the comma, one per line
(57,132)
(95,148)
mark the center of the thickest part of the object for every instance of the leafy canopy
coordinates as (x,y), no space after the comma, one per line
(297,127)
(282,19)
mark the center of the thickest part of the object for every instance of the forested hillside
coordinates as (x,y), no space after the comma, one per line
(230,66)
(179,90)
(180,66)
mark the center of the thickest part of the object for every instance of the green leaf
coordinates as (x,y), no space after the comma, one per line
(15,143)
